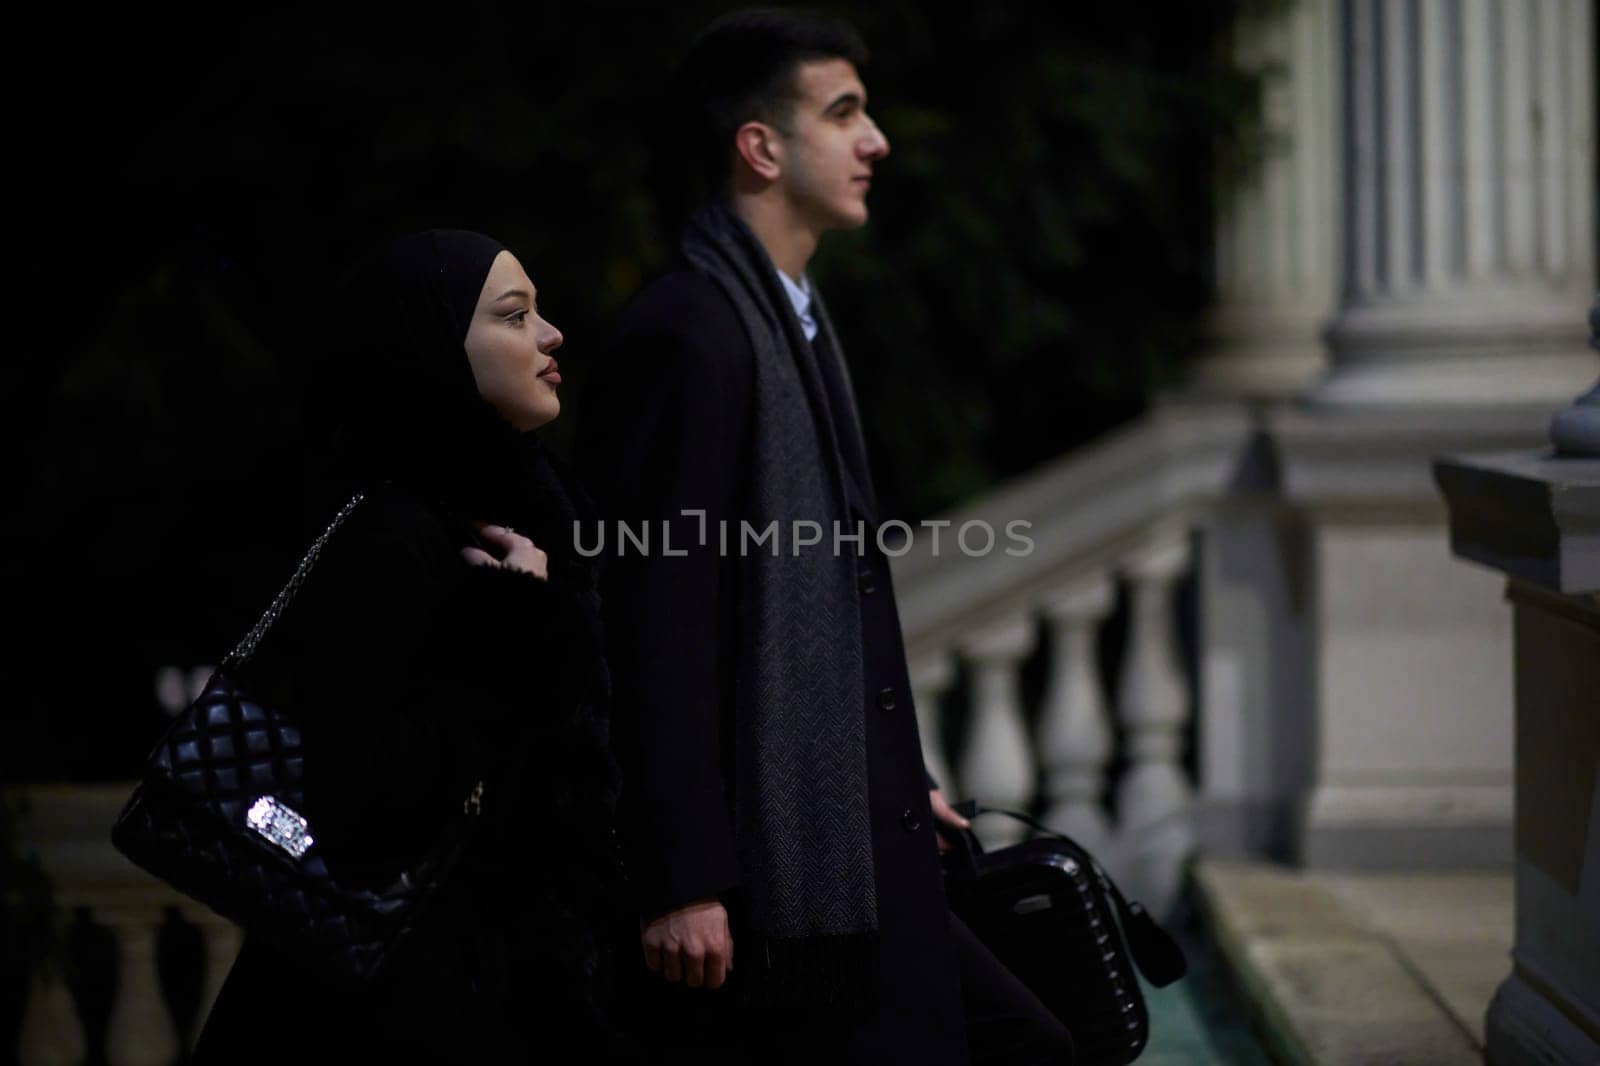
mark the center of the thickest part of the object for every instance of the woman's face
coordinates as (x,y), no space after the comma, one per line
(509,346)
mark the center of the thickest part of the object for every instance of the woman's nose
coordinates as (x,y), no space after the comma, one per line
(551,340)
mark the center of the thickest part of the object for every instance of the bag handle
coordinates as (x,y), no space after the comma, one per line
(247,647)
(1153,948)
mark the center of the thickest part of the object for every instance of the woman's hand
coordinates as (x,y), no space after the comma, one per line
(517,552)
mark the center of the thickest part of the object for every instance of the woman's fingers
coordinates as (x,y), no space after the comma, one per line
(499,536)
(515,551)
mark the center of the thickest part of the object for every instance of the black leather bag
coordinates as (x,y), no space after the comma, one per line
(220,816)
(1051,914)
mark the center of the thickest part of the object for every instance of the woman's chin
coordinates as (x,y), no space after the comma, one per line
(545,413)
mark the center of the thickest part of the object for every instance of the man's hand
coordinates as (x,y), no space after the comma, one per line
(945,814)
(691,944)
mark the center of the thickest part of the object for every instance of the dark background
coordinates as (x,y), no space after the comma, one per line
(1033,273)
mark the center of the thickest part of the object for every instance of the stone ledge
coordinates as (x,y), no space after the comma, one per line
(1339,969)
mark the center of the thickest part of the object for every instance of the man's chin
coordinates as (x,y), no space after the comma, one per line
(851,218)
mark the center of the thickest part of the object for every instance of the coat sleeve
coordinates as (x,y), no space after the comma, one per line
(398,656)
(666,432)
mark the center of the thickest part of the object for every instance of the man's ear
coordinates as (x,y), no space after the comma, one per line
(761,149)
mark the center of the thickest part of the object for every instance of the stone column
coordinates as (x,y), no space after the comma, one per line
(1468,259)
(1277,254)
(1468,202)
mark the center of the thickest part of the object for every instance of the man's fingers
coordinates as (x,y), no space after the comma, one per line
(672,966)
(479,557)
(716,971)
(694,969)
(652,957)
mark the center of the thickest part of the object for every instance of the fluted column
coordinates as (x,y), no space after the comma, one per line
(930,678)
(1075,738)
(1276,246)
(140,1031)
(996,764)
(1469,227)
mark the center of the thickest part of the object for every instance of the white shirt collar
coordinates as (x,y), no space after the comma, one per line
(800,296)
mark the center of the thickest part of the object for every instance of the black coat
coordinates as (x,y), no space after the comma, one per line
(413,675)
(667,427)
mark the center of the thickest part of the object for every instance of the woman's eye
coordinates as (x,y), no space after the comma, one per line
(516,317)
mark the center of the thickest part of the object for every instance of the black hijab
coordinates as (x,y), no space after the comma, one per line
(409,408)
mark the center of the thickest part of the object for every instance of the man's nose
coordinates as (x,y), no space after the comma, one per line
(876,145)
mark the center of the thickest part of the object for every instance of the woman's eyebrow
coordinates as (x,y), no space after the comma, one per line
(509,293)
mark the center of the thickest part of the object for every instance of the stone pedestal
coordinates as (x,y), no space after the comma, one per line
(1410,670)
(1537,519)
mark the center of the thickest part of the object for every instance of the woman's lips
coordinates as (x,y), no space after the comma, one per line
(551,373)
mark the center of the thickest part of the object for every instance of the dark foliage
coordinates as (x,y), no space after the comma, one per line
(1033,271)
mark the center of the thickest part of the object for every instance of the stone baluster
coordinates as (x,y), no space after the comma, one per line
(52,1033)
(1152,693)
(223,940)
(140,1031)
(930,677)
(1154,797)
(996,761)
(1075,736)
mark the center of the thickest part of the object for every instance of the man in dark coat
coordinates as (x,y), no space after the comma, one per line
(777,814)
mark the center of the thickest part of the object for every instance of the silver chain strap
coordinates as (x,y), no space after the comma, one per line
(247,647)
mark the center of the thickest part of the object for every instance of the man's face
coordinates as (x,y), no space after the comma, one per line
(829,152)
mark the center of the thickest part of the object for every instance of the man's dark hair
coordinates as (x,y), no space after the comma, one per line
(742,68)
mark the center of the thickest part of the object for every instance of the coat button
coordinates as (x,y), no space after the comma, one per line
(866,582)
(909,821)
(886,699)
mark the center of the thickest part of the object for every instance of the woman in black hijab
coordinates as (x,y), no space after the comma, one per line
(448,634)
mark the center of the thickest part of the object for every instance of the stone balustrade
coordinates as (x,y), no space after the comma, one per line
(118,1006)
(1101,750)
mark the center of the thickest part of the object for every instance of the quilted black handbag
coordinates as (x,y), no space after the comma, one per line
(220,816)
(1050,914)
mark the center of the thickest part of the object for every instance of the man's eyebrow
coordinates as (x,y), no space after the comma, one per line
(849,96)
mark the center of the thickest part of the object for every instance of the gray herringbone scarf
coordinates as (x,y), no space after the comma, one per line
(800,806)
